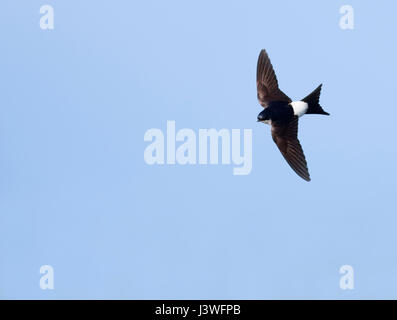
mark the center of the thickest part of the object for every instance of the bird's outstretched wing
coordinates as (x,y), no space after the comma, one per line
(266,82)
(285,135)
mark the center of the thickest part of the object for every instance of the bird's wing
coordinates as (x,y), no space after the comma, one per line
(266,82)
(285,135)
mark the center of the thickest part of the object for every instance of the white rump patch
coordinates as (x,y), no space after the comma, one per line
(300,107)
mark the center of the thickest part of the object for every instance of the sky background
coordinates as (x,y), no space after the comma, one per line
(76,194)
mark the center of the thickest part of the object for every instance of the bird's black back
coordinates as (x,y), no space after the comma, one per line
(280,111)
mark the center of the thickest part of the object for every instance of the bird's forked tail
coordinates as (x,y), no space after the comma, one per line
(313,101)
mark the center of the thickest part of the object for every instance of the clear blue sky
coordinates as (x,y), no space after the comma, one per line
(75,192)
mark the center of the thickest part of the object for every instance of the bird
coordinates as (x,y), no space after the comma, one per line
(282,114)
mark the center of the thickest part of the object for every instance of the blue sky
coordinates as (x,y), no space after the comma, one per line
(76,194)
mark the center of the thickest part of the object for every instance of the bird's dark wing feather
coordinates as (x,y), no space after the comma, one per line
(285,135)
(266,82)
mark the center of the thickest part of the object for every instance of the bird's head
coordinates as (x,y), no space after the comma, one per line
(264,116)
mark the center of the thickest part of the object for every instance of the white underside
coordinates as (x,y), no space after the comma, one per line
(300,107)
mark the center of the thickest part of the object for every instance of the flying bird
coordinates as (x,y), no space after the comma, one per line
(282,114)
